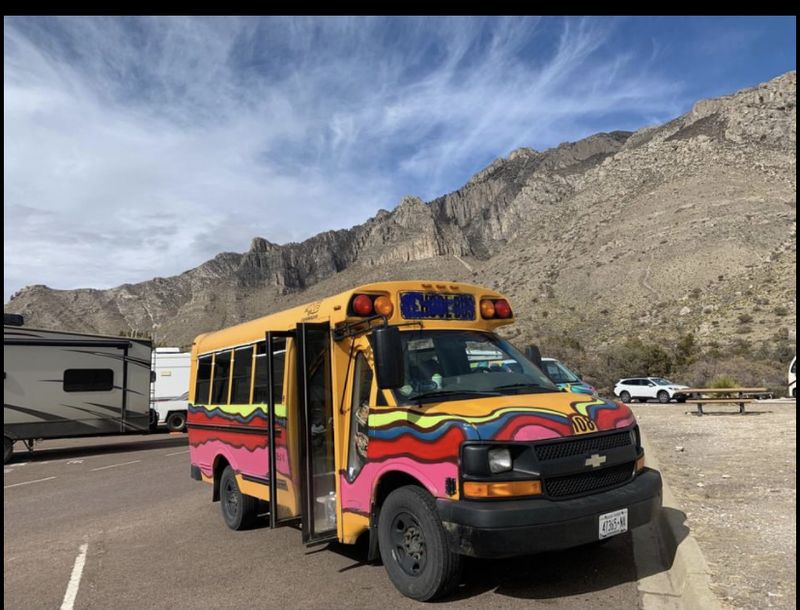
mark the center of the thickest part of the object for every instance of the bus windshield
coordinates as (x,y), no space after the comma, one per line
(559,373)
(444,365)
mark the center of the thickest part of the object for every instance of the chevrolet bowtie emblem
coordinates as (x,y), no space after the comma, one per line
(595,460)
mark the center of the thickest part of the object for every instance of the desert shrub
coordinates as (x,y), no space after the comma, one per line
(685,350)
(723,381)
(741,347)
(744,318)
(695,293)
(633,357)
(736,370)
(781,311)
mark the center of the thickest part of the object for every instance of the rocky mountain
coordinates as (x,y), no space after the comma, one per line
(687,227)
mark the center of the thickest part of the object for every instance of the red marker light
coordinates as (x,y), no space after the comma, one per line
(362,305)
(502,309)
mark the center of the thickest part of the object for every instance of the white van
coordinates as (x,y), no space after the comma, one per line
(170,390)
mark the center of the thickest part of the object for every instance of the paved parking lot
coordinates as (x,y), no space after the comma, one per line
(148,536)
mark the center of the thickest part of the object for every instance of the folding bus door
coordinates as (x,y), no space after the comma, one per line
(284,492)
(316,432)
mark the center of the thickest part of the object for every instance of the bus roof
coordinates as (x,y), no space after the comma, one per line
(334,309)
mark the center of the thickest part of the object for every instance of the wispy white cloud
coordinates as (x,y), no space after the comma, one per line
(142,147)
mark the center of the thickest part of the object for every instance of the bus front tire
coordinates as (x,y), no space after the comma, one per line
(238,510)
(413,545)
(176,422)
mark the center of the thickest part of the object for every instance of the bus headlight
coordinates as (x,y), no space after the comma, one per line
(499,460)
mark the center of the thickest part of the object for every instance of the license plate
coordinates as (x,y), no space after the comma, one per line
(437,306)
(614,523)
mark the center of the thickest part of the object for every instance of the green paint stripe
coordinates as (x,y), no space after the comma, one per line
(583,407)
(247,410)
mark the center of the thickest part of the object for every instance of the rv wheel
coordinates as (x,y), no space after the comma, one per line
(8,449)
(176,422)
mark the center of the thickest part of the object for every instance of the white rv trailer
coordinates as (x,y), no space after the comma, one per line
(62,384)
(170,397)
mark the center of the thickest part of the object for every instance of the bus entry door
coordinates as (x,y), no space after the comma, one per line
(316,432)
(284,500)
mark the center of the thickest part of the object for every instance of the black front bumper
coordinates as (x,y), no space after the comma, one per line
(520,527)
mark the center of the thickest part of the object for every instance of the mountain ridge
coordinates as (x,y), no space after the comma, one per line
(684,227)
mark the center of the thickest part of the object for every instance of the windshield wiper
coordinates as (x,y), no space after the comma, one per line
(442,393)
(533,386)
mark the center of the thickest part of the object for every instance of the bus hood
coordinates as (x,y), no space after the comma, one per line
(526,417)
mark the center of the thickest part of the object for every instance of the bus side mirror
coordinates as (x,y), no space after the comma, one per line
(388,357)
(534,355)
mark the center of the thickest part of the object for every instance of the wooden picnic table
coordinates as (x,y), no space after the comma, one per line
(741,396)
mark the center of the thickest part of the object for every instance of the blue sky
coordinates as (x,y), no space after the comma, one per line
(141,147)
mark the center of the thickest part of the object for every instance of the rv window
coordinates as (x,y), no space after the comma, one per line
(203,380)
(242,367)
(88,380)
(222,376)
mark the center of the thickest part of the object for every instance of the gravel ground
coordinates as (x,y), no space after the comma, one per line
(735,477)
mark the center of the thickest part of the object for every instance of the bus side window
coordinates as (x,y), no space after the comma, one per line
(203,383)
(242,369)
(359,417)
(222,376)
(260,395)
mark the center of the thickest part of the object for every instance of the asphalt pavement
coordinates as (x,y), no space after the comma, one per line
(117,522)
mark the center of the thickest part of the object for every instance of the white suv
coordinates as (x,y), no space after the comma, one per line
(644,388)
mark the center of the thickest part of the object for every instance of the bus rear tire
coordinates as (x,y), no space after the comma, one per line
(413,545)
(8,449)
(176,422)
(238,510)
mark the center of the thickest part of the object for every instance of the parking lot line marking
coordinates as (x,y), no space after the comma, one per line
(178,452)
(75,578)
(28,482)
(115,465)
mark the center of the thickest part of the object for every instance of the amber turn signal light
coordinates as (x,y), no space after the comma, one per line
(503,489)
(487,308)
(383,306)
(639,464)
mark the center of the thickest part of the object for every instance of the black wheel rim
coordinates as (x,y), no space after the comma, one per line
(231,495)
(408,544)
(625,397)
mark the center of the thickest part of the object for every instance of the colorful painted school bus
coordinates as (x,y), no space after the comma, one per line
(364,414)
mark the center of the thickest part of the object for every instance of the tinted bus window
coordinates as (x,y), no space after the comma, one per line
(242,369)
(222,372)
(278,359)
(203,383)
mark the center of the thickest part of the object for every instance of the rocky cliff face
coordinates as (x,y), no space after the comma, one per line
(697,214)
